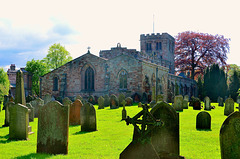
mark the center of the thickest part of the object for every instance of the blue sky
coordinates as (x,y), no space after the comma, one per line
(28,28)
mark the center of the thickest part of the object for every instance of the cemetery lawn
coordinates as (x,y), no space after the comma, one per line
(114,135)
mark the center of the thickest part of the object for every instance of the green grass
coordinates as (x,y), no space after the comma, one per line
(114,135)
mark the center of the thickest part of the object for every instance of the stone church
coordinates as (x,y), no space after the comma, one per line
(121,70)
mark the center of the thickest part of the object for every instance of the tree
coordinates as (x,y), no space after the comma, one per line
(234,85)
(196,51)
(215,82)
(57,56)
(37,68)
(200,87)
(4,84)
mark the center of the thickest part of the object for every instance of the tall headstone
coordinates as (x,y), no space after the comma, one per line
(100,102)
(47,98)
(203,120)
(53,124)
(178,103)
(106,101)
(229,106)
(74,115)
(88,118)
(207,103)
(20,93)
(113,102)
(124,111)
(230,137)
(165,139)
(18,128)
(31,113)
(121,98)
(37,104)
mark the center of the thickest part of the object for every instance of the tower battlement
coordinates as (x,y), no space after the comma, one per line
(156,36)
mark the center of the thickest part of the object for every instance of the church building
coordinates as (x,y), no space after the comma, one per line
(121,70)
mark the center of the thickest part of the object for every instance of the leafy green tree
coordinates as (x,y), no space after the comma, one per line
(200,87)
(215,83)
(37,68)
(57,56)
(4,84)
(234,85)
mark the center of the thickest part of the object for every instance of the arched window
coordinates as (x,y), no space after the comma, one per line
(123,80)
(89,79)
(55,84)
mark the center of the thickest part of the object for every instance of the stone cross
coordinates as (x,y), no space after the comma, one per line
(124,111)
(147,120)
(123,103)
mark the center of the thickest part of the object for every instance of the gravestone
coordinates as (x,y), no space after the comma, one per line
(165,139)
(100,102)
(7,118)
(159,97)
(136,97)
(129,101)
(185,104)
(31,113)
(47,98)
(229,106)
(91,99)
(178,103)
(88,118)
(230,137)
(140,105)
(74,115)
(18,127)
(207,103)
(106,101)
(78,97)
(203,121)
(121,98)
(144,98)
(66,101)
(20,93)
(113,102)
(186,97)
(124,111)
(37,104)
(220,103)
(157,137)
(53,124)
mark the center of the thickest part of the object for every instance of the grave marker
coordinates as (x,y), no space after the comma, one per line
(124,111)
(37,104)
(178,103)
(74,115)
(106,101)
(31,113)
(88,118)
(20,93)
(113,102)
(207,103)
(203,120)
(100,102)
(229,106)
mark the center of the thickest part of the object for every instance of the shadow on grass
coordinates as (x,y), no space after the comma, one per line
(5,141)
(34,155)
(204,129)
(74,125)
(82,132)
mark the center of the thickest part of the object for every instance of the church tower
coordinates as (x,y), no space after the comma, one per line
(160,48)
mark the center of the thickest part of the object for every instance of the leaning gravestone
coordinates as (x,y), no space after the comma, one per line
(185,104)
(229,106)
(20,93)
(230,137)
(31,113)
(178,103)
(100,102)
(53,124)
(220,102)
(18,128)
(6,121)
(74,114)
(207,103)
(47,98)
(129,101)
(113,102)
(106,101)
(88,118)
(37,104)
(121,98)
(203,121)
